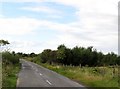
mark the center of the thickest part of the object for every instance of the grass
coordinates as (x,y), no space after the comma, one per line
(10,69)
(10,75)
(88,76)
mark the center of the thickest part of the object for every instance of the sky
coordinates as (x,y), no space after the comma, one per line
(35,25)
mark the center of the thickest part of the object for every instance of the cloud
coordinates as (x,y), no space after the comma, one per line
(25,25)
(71,34)
(41,9)
(17,26)
(96,25)
(99,18)
(31,46)
(22,1)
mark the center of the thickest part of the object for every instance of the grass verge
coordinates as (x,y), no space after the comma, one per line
(88,76)
(10,73)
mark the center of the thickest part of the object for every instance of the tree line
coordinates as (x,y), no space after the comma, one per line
(78,56)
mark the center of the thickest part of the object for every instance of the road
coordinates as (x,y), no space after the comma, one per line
(33,75)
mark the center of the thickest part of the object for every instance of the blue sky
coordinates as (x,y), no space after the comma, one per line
(64,13)
(34,25)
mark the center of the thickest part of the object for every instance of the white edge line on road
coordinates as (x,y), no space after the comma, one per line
(17,82)
(49,82)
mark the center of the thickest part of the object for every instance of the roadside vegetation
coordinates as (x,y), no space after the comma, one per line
(10,69)
(10,66)
(84,65)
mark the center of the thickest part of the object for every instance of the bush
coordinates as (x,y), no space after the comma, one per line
(9,58)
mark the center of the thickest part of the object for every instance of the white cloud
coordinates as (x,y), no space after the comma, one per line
(96,25)
(17,26)
(31,46)
(41,9)
(99,18)
(70,34)
(22,0)
(24,46)
(24,25)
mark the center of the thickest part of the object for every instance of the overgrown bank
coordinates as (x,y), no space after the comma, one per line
(10,69)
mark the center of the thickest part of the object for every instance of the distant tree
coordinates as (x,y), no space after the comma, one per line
(53,57)
(45,55)
(20,54)
(13,52)
(69,57)
(90,48)
(61,53)
(32,54)
(100,58)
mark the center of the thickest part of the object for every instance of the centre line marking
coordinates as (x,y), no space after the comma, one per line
(40,74)
(49,82)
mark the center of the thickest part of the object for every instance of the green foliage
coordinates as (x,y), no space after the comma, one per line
(9,75)
(10,68)
(61,53)
(79,56)
(48,56)
(10,58)
(45,55)
(3,42)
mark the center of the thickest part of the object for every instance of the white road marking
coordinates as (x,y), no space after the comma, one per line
(40,74)
(49,82)
(17,81)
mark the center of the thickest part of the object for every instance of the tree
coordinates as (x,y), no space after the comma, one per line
(61,53)
(53,57)
(32,54)
(100,58)
(77,56)
(45,55)
(3,42)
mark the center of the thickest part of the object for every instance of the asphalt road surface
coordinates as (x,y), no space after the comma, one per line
(33,75)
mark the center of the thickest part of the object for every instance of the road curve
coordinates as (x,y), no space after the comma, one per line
(33,75)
